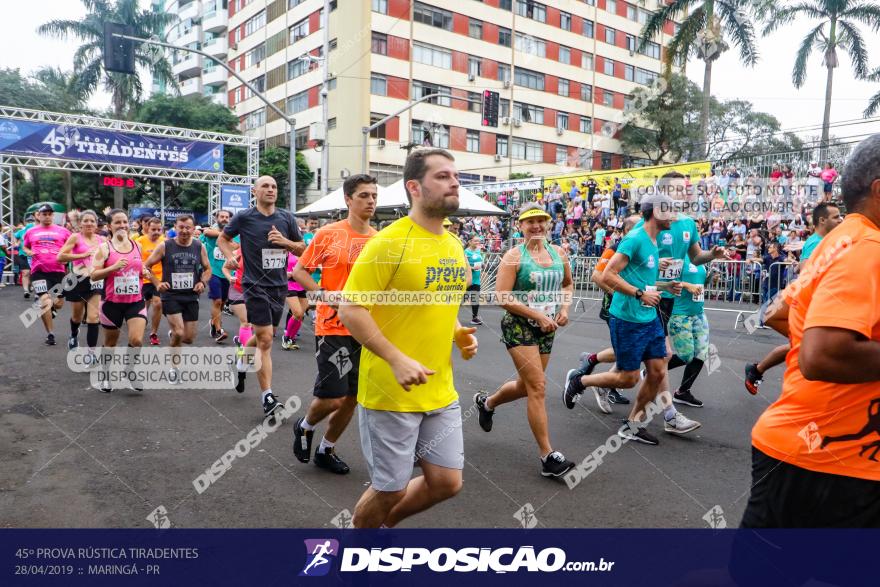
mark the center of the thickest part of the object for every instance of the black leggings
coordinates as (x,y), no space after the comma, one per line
(691,371)
(474,299)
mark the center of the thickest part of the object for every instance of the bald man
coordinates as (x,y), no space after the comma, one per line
(267,234)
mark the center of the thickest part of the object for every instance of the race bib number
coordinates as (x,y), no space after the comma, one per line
(673,271)
(701,297)
(41,287)
(127,285)
(181,281)
(97,285)
(538,301)
(218,254)
(477,266)
(274,258)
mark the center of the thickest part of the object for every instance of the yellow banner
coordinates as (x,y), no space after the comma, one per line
(633,177)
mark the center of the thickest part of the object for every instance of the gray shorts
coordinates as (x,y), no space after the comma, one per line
(393,441)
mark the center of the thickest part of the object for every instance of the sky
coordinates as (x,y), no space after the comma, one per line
(767,85)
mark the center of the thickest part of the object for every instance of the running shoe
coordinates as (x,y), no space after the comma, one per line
(226,309)
(601,395)
(302,442)
(555,465)
(632,431)
(54,313)
(286,342)
(239,385)
(105,387)
(686,398)
(476,321)
(236,341)
(50,339)
(154,339)
(270,404)
(27,295)
(173,376)
(615,397)
(213,329)
(680,424)
(485,413)
(753,379)
(587,365)
(330,461)
(221,336)
(72,343)
(91,360)
(573,388)
(643,374)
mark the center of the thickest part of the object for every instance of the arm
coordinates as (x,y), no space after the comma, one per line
(776,316)
(504,282)
(227,273)
(100,272)
(65,255)
(567,289)
(612,278)
(828,354)
(206,272)
(211,232)
(301,275)
(599,280)
(157,255)
(225,242)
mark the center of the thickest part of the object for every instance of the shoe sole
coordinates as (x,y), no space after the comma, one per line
(635,438)
(622,402)
(678,432)
(576,397)
(599,402)
(476,395)
(334,471)
(275,407)
(685,402)
(557,475)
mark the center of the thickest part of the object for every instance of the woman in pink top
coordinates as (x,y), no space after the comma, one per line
(118,262)
(297,304)
(85,296)
(829,176)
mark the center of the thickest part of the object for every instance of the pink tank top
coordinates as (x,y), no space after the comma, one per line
(291,263)
(82,246)
(124,287)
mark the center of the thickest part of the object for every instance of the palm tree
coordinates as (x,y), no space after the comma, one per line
(874,102)
(836,30)
(88,63)
(702,33)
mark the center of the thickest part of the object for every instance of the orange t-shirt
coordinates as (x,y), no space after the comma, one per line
(820,426)
(602,263)
(333,250)
(147,247)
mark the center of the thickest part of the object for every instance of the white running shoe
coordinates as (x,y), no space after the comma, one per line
(681,424)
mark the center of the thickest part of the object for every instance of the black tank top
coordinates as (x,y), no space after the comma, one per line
(182,268)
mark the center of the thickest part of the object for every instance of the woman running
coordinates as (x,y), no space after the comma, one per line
(530,279)
(689,331)
(85,297)
(118,263)
(237,307)
(297,305)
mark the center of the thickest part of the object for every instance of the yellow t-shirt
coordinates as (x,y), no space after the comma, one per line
(407,258)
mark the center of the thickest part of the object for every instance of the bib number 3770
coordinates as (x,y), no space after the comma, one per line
(274,258)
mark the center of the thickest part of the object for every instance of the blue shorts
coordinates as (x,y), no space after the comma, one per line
(634,342)
(218,288)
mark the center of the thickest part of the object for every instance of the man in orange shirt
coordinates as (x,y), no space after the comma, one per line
(816,450)
(152,237)
(334,250)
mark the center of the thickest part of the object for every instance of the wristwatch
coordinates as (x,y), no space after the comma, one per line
(639,294)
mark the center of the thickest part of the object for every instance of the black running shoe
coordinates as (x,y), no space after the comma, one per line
(587,366)
(615,397)
(270,404)
(485,413)
(239,386)
(72,343)
(302,442)
(105,386)
(632,431)
(555,465)
(213,330)
(753,379)
(328,460)
(50,339)
(27,295)
(573,388)
(686,398)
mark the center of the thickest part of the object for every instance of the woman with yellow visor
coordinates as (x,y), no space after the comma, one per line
(534,286)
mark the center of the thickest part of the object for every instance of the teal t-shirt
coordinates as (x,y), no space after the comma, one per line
(600,237)
(215,255)
(810,246)
(307,238)
(474,258)
(686,304)
(19,237)
(675,243)
(641,271)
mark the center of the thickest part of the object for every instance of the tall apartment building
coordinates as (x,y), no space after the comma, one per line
(562,71)
(200,24)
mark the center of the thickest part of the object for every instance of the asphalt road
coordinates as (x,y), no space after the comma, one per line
(73,457)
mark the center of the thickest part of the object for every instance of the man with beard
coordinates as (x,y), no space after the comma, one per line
(408,406)
(218,287)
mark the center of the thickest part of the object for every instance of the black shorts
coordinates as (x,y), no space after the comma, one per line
(22,263)
(664,310)
(293,293)
(338,359)
(148,290)
(42,283)
(84,290)
(189,309)
(115,314)
(265,305)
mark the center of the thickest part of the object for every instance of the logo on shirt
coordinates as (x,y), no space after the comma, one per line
(651,263)
(667,238)
(692,268)
(686,235)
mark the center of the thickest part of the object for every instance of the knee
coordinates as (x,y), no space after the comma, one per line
(629,379)
(186,339)
(656,369)
(446,488)
(536,389)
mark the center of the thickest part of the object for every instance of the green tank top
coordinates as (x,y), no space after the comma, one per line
(537,286)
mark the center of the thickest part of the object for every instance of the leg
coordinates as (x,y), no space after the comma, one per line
(436,484)
(156,317)
(530,365)
(175,321)
(189,332)
(340,418)
(136,327)
(216,308)
(373,507)
(773,358)
(93,307)
(262,339)
(650,388)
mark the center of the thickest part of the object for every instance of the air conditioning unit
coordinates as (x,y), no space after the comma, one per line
(497,158)
(505,121)
(471,77)
(317,131)
(517,122)
(381,143)
(506,84)
(560,131)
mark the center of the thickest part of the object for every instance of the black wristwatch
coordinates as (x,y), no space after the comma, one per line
(639,294)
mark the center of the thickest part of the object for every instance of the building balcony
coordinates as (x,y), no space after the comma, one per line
(218,46)
(187,10)
(218,98)
(194,35)
(189,65)
(215,21)
(216,76)
(191,86)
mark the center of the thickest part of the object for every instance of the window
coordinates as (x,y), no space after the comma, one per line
(503,72)
(645,76)
(256,55)
(529,79)
(529,113)
(255,119)
(586,92)
(422,89)
(588,29)
(501,145)
(561,155)
(431,55)
(430,135)
(292,3)
(629,72)
(528,150)
(587,61)
(331,84)
(531,9)
(255,23)
(608,67)
(651,49)
(565,55)
(475,104)
(475,29)
(378,85)
(610,36)
(378,132)
(432,16)
(259,83)
(299,31)
(631,42)
(586,124)
(531,45)
(503,107)
(473,141)
(505,5)
(380,43)
(331,123)
(380,6)
(565,21)
(297,67)
(563,89)
(644,16)
(503,36)
(606,160)
(607,98)
(611,6)
(627,103)
(475,66)
(298,102)
(631,12)
(301,138)
(562,120)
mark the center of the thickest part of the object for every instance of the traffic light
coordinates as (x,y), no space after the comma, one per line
(490,108)
(118,53)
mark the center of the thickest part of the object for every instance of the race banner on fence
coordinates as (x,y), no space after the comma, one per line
(632,177)
(64,141)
